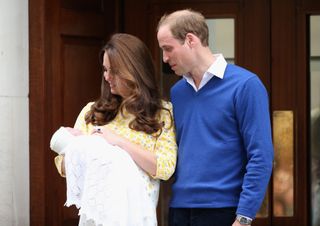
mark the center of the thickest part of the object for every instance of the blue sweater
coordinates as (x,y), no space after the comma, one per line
(225,147)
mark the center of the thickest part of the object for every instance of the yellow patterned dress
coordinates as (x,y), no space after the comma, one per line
(164,146)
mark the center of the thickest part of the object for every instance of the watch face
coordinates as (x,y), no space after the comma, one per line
(244,220)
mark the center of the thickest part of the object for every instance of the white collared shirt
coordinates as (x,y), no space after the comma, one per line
(216,69)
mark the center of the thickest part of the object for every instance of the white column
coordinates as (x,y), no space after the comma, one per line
(14,114)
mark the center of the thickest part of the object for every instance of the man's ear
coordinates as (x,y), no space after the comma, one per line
(191,39)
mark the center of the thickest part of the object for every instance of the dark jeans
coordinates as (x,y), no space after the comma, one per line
(202,216)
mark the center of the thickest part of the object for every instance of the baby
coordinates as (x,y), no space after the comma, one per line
(62,137)
(103,181)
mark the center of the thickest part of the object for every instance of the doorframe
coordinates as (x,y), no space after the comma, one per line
(304,8)
(37,111)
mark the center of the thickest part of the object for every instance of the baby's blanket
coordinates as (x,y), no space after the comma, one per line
(106,185)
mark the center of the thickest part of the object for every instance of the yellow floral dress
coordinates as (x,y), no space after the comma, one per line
(164,146)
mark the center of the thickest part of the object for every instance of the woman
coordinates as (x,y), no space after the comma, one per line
(130,113)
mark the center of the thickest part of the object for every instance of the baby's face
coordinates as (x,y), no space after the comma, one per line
(74,132)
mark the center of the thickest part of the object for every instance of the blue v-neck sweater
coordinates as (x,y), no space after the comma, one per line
(225,147)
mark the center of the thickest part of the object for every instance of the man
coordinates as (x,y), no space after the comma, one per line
(223,129)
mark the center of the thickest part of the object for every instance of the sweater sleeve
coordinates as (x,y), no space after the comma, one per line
(166,147)
(252,112)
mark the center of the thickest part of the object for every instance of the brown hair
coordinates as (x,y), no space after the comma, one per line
(131,61)
(186,21)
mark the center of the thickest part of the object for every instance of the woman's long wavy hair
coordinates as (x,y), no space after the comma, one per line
(131,61)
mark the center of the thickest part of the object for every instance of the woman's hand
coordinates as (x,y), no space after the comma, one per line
(63,169)
(145,159)
(109,136)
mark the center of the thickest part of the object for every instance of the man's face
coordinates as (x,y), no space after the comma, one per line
(174,53)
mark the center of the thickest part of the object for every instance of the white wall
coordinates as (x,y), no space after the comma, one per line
(14,114)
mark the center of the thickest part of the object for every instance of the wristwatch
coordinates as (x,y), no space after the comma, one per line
(244,220)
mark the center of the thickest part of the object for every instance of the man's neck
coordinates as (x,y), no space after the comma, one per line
(206,61)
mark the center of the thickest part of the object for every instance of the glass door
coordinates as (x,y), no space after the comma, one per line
(314,64)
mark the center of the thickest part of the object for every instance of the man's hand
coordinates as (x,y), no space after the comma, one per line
(237,223)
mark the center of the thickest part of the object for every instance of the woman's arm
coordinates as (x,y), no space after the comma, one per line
(162,161)
(166,146)
(59,162)
(145,159)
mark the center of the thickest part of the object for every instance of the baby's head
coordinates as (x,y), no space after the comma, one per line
(60,139)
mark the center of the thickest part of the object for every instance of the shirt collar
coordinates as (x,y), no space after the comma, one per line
(216,69)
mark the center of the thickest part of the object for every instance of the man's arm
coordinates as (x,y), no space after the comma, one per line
(252,109)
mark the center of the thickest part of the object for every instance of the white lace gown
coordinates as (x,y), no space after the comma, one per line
(106,185)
